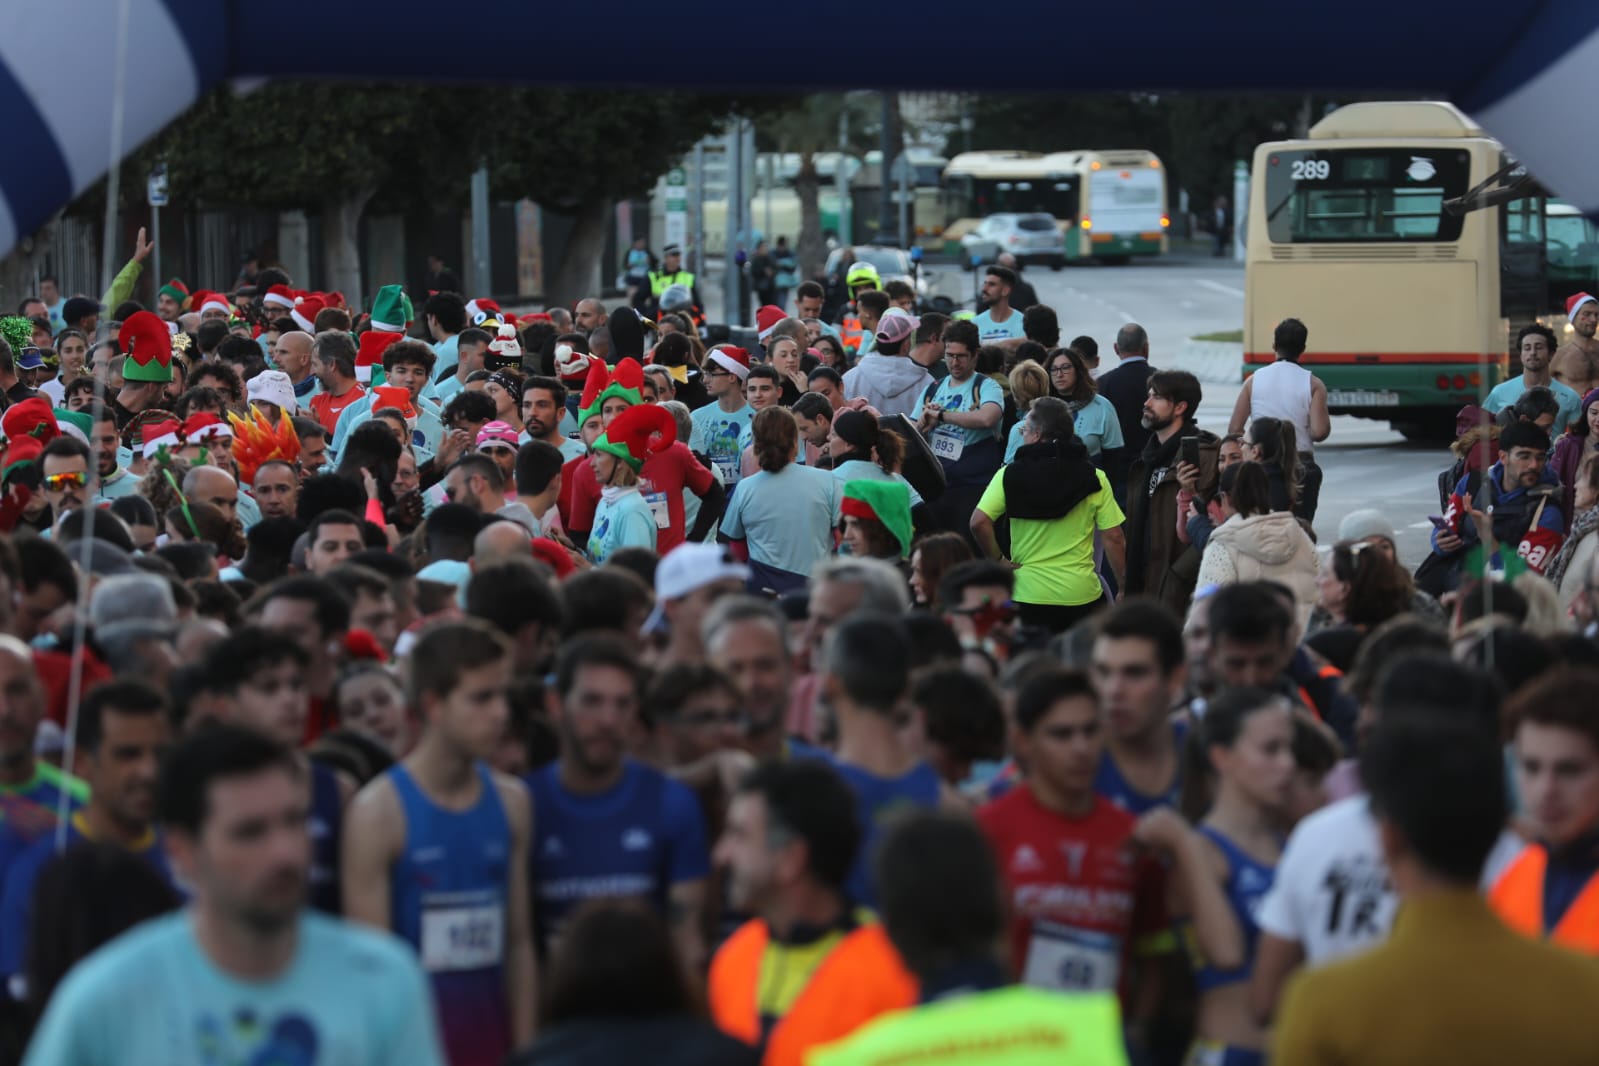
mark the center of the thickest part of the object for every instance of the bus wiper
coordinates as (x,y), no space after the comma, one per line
(1487,195)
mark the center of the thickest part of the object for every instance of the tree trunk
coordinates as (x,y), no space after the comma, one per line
(809,247)
(574,278)
(341,245)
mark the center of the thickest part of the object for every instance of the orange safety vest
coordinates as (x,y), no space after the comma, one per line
(859,979)
(1517,897)
(850,332)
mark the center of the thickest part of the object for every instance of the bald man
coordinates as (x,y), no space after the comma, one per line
(292,355)
(34,789)
(501,540)
(208,484)
(590,316)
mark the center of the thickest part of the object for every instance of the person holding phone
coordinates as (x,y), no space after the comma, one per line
(1159,564)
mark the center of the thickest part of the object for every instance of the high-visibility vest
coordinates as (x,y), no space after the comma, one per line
(1517,897)
(859,979)
(850,332)
(660,282)
(1014,1026)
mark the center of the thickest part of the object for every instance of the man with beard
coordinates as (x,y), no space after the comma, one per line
(232,803)
(608,827)
(1576,363)
(1156,562)
(543,404)
(747,639)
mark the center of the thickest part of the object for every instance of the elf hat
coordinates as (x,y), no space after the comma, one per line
(735,361)
(176,289)
(210,301)
(504,350)
(887,502)
(391,309)
(279,296)
(148,343)
(626,381)
(374,342)
(304,312)
(395,396)
(273,386)
(766,320)
(637,433)
(1574,305)
(32,417)
(77,424)
(20,453)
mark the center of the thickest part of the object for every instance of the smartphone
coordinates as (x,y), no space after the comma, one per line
(1191,451)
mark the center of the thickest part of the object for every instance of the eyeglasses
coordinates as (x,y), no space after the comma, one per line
(1056,371)
(74,480)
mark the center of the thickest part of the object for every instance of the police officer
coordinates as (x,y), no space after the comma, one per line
(671,272)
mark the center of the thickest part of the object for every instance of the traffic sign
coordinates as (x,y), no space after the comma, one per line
(156,188)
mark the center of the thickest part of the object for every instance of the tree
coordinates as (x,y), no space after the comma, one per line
(811,125)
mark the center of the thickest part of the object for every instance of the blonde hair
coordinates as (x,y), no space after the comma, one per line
(1028,382)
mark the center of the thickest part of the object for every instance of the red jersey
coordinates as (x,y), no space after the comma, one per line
(326,408)
(662,481)
(1079,893)
(565,501)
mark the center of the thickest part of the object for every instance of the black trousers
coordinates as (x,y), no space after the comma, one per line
(1309,487)
(1055,617)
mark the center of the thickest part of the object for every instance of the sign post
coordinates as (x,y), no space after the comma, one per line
(677,207)
(156,194)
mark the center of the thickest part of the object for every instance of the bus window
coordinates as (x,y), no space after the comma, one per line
(1346,195)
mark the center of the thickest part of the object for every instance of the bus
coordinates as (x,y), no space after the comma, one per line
(1377,233)
(1111,204)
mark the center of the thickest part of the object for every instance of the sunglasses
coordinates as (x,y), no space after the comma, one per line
(75,480)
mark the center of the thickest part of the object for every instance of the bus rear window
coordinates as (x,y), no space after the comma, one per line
(1355,195)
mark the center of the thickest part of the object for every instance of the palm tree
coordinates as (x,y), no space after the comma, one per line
(813,126)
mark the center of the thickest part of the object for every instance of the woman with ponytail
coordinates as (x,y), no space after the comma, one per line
(1271,443)
(784,513)
(862,449)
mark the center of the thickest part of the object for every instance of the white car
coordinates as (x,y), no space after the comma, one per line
(1031,238)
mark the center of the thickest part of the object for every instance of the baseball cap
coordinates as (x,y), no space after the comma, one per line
(30,358)
(686,569)
(895,326)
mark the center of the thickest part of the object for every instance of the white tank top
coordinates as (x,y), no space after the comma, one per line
(1282,390)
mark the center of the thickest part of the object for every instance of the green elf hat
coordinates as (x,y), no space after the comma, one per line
(391,310)
(176,289)
(887,502)
(626,380)
(20,454)
(637,433)
(75,423)
(148,342)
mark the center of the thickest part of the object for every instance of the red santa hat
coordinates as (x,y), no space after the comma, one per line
(203,426)
(334,299)
(305,311)
(279,296)
(735,361)
(374,342)
(572,364)
(766,320)
(32,417)
(1574,305)
(160,435)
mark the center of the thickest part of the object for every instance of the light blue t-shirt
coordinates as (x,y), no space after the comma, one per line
(447,390)
(1508,392)
(571,447)
(123,482)
(448,351)
(953,396)
(717,436)
(425,437)
(787,517)
(861,470)
(1096,426)
(249,511)
(625,522)
(989,330)
(352,995)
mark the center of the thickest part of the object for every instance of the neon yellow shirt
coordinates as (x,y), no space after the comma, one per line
(1056,556)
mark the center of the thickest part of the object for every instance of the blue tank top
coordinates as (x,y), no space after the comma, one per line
(878,799)
(327,814)
(1248,881)
(447,898)
(1109,782)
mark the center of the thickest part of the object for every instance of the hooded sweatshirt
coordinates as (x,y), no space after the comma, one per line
(893,384)
(1267,547)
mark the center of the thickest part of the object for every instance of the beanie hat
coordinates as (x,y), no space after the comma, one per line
(627,335)
(766,320)
(1574,304)
(504,350)
(391,309)
(77,424)
(273,386)
(637,433)
(304,312)
(393,396)
(735,361)
(481,310)
(888,502)
(374,342)
(32,417)
(1358,525)
(626,381)
(148,343)
(279,296)
(176,289)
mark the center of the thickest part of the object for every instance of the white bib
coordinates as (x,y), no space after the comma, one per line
(462,937)
(659,509)
(949,444)
(1071,960)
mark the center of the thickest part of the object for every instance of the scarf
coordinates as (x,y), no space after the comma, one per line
(612,493)
(1048,479)
(1582,526)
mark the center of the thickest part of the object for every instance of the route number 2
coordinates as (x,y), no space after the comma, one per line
(1311,170)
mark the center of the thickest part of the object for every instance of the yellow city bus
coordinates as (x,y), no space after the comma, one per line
(1117,207)
(1409,302)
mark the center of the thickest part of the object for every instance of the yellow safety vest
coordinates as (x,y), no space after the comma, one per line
(660,282)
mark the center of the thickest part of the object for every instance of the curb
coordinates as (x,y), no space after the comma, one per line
(1212,362)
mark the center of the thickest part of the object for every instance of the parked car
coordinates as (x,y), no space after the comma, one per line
(1032,238)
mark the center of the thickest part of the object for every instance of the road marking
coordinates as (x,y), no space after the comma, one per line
(1216,286)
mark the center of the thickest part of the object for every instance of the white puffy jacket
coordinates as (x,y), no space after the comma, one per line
(1267,547)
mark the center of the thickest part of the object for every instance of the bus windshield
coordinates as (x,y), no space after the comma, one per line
(1353,195)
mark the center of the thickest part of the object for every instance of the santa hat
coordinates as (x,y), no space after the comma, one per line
(175,289)
(766,320)
(886,502)
(279,296)
(554,556)
(735,361)
(481,310)
(158,435)
(626,381)
(637,433)
(273,386)
(504,350)
(22,452)
(333,299)
(1574,305)
(148,343)
(572,364)
(203,426)
(361,646)
(395,396)
(374,342)
(202,302)
(391,309)
(32,417)
(305,311)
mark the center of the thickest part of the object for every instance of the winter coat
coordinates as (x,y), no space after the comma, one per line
(1158,563)
(1267,547)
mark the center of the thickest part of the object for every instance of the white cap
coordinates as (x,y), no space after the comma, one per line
(688,568)
(273,386)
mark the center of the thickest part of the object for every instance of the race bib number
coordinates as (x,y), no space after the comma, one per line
(726,470)
(949,445)
(1071,960)
(462,938)
(659,509)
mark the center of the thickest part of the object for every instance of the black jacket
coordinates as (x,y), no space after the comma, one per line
(1126,387)
(625,1041)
